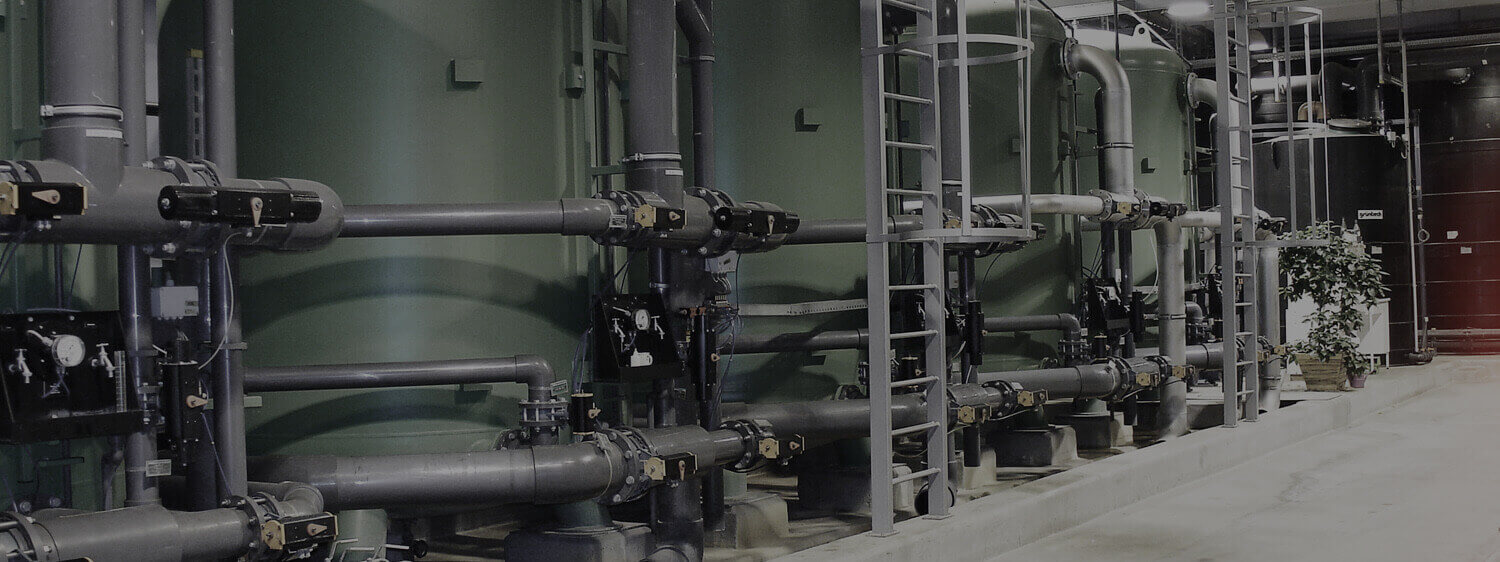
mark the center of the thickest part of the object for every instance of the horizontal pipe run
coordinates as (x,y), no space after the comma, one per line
(828,419)
(837,231)
(1207,356)
(565,216)
(799,341)
(1083,381)
(532,370)
(1066,323)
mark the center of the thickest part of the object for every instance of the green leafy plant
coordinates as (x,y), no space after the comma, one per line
(1342,281)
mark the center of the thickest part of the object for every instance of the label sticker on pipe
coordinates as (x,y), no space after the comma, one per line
(158,468)
(1452,234)
(1465,250)
(104,133)
(1371,214)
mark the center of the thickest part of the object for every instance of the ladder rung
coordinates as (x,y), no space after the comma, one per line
(912,192)
(1237,99)
(1243,363)
(910,429)
(916,240)
(1245,393)
(922,287)
(915,382)
(1245,275)
(1238,41)
(908,145)
(907,99)
(1243,334)
(1244,303)
(1238,158)
(914,53)
(916,334)
(908,6)
(915,475)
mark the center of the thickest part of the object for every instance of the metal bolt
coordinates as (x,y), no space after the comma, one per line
(165,203)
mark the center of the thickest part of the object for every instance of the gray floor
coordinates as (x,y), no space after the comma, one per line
(1420,481)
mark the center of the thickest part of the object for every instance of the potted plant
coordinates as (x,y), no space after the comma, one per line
(1332,270)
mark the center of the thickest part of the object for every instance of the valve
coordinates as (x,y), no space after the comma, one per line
(238,207)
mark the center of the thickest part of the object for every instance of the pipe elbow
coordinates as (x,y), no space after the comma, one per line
(1203,91)
(536,371)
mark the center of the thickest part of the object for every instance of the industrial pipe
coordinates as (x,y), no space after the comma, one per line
(565,216)
(836,231)
(1113,106)
(1268,284)
(1208,356)
(153,533)
(801,341)
(829,420)
(1068,324)
(1171,291)
(1096,380)
(696,20)
(218,86)
(532,370)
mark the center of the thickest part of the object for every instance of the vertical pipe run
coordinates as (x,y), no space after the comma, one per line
(134,266)
(1268,284)
(132,46)
(969,359)
(218,78)
(1171,293)
(81,81)
(706,373)
(229,372)
(696,19)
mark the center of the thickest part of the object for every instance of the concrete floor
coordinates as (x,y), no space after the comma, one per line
(1418,481)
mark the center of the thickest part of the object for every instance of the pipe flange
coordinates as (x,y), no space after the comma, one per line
(34,536)
(83,110)
(635,451)
(720,241)
(752,433)
(1065,52)
(638,217)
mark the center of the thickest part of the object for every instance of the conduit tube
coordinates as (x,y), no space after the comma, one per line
(1097,380)
(532,370)
(1203,356)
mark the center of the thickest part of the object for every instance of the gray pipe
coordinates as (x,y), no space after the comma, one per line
(1067,323)
(803,341)
(1203,356)
(532,370)
(218,87)
(1091,206)
(696,20)
(228,374)
(837,231)
(149,533)
(1268,271)
(566,216)
(548,474)
(81,122)
(132,48)
(1171,291)
(1203,91)
(655,160)
(1083,381)
(1112,103)
(828,420)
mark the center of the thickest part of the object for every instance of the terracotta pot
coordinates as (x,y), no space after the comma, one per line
(1357,381)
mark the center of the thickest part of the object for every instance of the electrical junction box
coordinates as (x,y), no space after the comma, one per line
(171,303)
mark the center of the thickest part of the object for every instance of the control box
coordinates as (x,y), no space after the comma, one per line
(63,377)
(633,339)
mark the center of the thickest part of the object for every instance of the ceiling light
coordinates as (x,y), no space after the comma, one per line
(1189,10)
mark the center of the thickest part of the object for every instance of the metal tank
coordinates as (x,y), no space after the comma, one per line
(789,115)
(1458,154)
(391,102)
(1039,279)
(1163,130)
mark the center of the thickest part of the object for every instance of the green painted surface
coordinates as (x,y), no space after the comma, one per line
(1163,131)
(367,107)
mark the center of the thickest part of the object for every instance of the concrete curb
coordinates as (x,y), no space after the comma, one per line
(992,525)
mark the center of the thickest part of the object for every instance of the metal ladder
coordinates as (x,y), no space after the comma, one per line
(1234,176)
(880,148)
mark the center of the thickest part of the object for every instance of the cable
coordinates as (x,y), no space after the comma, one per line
(228,288)
(73,279)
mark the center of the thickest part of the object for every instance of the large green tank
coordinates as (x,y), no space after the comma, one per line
(1040,278)
(1163,129)
(361,95)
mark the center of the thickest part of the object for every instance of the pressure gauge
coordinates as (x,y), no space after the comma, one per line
(68,350)
(642,319)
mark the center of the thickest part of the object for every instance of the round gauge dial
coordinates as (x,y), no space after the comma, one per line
(68,350)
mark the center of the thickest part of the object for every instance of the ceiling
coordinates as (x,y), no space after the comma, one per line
(1333,10)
